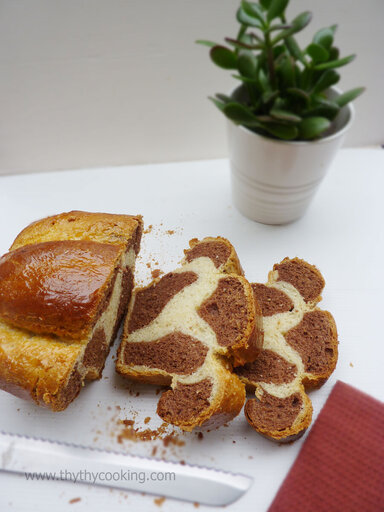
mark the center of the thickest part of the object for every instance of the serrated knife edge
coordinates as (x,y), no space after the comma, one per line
(24,454)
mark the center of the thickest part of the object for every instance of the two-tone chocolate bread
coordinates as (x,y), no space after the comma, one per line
(299,352)
(64,288)
(187,329)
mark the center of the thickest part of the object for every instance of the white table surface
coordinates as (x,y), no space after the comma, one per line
(342,233)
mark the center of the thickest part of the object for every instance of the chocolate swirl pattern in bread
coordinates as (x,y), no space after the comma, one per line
(187,329)
(64,288)
(300,351)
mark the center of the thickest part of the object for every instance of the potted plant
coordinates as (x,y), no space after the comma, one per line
(286,119)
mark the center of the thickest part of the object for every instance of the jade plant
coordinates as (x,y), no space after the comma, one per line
(284,87)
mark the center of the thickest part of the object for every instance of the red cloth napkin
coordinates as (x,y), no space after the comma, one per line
(340,467)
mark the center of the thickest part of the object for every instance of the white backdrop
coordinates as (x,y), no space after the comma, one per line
(108,82)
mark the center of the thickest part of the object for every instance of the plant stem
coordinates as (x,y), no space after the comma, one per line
(271,66)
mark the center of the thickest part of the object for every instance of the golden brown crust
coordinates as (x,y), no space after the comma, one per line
(33,366)
(56,287)
(44,367)
(78,225)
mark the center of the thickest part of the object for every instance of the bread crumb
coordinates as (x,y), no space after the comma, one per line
(172,439)
(196,505)
(200,436)
(170,232)
(159,501)
(74,500)
(147,419)
(351,365)
(148,230)
(154,451)
(156,273)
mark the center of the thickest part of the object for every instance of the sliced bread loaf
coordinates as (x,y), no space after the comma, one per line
(187,329)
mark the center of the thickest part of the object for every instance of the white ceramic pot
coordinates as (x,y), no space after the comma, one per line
(274,181)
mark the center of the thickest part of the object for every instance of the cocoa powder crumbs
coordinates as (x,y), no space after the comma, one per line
(74,500)
(172,439)
(159,501)
(130,433)
(156,273)
(200,436)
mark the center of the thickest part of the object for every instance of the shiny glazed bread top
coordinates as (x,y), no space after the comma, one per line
(56,287)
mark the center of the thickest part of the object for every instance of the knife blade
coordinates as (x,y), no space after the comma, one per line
(42,459)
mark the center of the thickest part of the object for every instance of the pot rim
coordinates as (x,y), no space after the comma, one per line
(322,140)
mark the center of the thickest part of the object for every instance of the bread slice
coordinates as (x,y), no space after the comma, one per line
(299,353)
(64,288)
(187,329)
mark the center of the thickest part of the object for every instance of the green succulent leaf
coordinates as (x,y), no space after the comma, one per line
(247,64)
(278,50)
(285,115)
(263,80)
(298,93)
(312,127)
(224,98)
(269,96)
(286,72)
(282,131)
(253,10)
(294,49)
(324,37)
(273,28)
(334,53)
(243,18)
(328,78)
(265,4)
(219,104)
(323,108)
(240,114)
(300,22)
(335,63)
(348,96)
(204,42)
(276,9)
(317,53)
(245,79)
(223,57)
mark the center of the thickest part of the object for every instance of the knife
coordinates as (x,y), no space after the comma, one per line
(40,459)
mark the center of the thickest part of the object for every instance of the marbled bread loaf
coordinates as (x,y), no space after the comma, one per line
(64,288)
(300,351)
(187,329)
